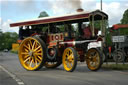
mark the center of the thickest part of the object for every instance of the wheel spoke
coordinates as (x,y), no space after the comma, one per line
(66,62)
(26,56)
(39,57)
(33,61)
(67,54)
(27,47)
(33,45)
(37,48)
(71,53)
(24,53)
(26,59)
(30,60)
(38,60)
(30,65)
(72,63)
(38,53)
(69,64)
(30,43)
(26,50)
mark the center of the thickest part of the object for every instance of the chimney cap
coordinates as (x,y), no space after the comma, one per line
(80,10)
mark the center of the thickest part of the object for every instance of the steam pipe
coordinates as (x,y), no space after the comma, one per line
(77,42)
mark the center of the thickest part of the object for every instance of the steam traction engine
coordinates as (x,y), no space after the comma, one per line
(59,43)
(119,49)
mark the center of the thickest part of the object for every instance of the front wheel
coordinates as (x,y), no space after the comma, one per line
(94,59)
(32,53)
(69,59)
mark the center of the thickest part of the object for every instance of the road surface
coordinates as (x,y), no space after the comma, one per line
(81,76)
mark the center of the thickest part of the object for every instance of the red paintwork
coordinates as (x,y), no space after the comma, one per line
(19,41)
(47,20)
(48,39)
(69,44)
(118,26)
(34,34)
(87,33)
(99,39)
(55,37)
(110,49)
(50,20)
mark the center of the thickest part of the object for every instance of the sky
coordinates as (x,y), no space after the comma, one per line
(19,10)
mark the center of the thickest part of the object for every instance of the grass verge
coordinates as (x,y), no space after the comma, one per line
(115,67)
(13,51)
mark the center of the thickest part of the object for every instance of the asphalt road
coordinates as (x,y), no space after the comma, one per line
(81,76)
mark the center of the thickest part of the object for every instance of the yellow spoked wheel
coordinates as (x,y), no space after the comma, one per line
(32,53)
(69,59)
(52,64)
(94,59)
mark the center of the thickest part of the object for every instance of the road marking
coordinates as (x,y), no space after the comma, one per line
(19,81)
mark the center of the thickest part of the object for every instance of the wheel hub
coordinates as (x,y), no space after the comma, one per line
(30,53)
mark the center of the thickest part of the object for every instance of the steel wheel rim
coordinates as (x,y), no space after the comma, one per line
(68,59)
(93,59)
(30,54)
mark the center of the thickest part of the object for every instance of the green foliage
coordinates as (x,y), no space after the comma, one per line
(12,51)
(123,31)
(115,67)
(120,31)
(43,14)
(108,38)
(6,40)
(63,27)
(97,24)
(1,39)
(124,20)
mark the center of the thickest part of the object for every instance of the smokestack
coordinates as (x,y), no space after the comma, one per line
(80,10)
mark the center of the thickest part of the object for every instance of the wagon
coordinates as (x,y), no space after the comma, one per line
(52,41)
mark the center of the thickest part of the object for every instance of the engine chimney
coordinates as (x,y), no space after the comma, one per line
(80,10)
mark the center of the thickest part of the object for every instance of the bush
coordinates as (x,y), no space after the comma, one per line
(14,51)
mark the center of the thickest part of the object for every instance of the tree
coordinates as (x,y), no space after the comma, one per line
(124,20)
(97,24)
(1,40)
(43,14)
(7,39)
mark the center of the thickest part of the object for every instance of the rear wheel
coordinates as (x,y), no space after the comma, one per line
(94,59)
(32,53)
(69,59)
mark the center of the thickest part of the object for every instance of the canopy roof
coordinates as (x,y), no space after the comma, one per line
(79,16)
